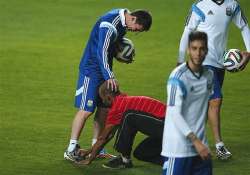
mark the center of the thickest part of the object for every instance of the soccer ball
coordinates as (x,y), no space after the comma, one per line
(232,60)
(125,51)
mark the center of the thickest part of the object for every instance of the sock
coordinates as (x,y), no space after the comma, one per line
(94,141)
(72,145)
(219,144)
(125,159)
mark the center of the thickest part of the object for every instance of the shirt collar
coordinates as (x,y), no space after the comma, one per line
(196,74)
(122,16)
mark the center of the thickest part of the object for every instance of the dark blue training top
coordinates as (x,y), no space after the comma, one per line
(97,59)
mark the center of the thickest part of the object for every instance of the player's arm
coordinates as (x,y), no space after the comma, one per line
(240,21)
(192,21)
(104,137)
(107,36)
(176,93)
(199,146)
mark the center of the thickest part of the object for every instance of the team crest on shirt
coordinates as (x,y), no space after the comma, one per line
(229,11)
(90,103)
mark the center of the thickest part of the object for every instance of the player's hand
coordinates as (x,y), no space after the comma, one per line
(83,152)
(245,59)
(112,84)
(202,150)
(83,162)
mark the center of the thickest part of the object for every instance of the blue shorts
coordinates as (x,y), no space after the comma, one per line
(218,81)
(187,166)
(86,96)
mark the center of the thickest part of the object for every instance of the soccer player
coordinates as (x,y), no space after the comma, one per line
(130,114)
(189,87)
(214,17)
(96,65)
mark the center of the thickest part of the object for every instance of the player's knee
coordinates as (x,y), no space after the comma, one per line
(83,114)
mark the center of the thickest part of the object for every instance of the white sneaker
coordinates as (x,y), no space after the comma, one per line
(222,152)
(73,155)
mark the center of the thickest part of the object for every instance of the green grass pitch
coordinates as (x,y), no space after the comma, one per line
(41,42)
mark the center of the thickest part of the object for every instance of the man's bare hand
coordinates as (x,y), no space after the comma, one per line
(112,84)
(202,149)
(245,59)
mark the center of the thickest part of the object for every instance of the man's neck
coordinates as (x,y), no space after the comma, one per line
(193,67)
(218,2)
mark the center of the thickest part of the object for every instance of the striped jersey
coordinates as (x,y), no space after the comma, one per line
(187,102)
(97,59)
(214,19)
(123,103)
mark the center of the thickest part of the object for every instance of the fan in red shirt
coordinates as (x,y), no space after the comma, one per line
(124,109)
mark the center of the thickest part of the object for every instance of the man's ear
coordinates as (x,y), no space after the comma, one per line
(133,19)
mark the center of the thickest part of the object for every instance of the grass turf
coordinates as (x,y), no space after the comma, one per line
(41,43)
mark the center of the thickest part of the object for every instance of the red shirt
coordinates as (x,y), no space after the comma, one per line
(123,103)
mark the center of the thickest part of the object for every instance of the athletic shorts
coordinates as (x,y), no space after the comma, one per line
(218,81)
(187,166)
(86,97)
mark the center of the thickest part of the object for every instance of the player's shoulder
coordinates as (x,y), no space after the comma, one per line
(236,2)
(208,72)
(202,3)
(111,16)
(231,5)
(179,71)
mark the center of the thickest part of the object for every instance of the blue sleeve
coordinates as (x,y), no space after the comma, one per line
(107,35)
(199,12)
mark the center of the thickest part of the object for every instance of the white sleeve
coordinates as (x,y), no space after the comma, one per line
(239,19)
(245,32)
(192,21)
(183,45)
(176,95)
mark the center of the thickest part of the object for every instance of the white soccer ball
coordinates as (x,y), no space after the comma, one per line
(232,60)
(126,51)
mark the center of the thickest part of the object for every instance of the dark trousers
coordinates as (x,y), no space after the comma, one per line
(149,149)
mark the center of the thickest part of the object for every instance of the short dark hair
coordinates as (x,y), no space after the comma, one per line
(197,35)
(143,17)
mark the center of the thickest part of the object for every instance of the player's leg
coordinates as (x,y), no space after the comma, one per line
(149,150)
(214,113)
(99,122)
(214,118)
(85,101)
(123,143)
(133,122)
(177,166)
(99,119)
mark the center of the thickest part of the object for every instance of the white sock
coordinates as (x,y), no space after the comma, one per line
(72,145)
(219,144)
(94,141)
